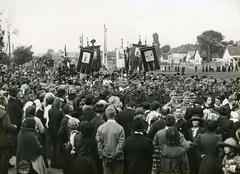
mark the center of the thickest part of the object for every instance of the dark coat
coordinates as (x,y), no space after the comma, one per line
(189,135)
(182,126)
(63,130)
(96,122)
(55,119)
(88,115)
(156,126)
(123,118)
(208,144)
(29,147)
(225,127)
(15,112)
(138,155)
(6,129)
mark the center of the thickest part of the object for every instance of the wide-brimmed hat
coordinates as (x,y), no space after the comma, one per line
(138,124)
(77,112)
(60,92)
(195,117)
(23,165)
(229,142)
(99,107)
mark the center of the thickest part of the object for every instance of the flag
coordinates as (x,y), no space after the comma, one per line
(105,47)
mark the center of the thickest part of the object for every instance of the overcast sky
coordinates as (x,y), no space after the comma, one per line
(48,24)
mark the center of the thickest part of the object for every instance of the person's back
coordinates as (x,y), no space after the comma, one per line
(126,116)
(173,157)
(55,118)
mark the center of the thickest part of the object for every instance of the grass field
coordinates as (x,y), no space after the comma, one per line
(190,70)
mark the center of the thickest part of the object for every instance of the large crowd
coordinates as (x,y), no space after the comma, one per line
(119,124)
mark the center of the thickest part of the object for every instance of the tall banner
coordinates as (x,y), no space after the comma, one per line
(120,62)
(96,65)
(135,57)
(85,61)
(149,58)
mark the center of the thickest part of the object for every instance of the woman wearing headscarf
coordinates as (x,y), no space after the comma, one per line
(84,151)
(29,148)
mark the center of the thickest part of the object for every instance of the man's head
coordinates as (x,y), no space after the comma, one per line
(178,112)
(111,112)
(68,109)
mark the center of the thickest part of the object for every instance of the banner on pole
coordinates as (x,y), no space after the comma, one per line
(85,61)
(149,58)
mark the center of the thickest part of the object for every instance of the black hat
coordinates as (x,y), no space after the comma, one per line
(99,107)
(195,117)
(77,112)
(89,99)
(138,123)
(72,96)
(60,92)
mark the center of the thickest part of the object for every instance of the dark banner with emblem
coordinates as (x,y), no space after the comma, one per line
(149,58)
(135,57)
(85,61)
(96,65)
(126,59)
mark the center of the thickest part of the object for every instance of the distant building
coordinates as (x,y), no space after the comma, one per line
(185,53)
(164,58)
(231,54)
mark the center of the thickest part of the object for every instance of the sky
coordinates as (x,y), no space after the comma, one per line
(50,24)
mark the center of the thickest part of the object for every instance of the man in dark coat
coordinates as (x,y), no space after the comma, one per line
(181,124)
(6,129)
(125,117)
(15,108)
(89,113)
(98,120)
(55,118)
(138,151)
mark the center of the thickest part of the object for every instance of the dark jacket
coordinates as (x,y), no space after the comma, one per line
(55,119)
(156,126)
(182,126)
(28,147)
(138,155)
(189,135)
(123,118)
(174,160)
(96,122)
(6,129)
(225,127)
(63,130)
(15,108)
(88,115)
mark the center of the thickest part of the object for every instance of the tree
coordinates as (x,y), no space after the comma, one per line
(22,55)
(211,42)
(166,48)
(157,44)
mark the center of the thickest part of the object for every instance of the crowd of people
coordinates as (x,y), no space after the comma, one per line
(115,124)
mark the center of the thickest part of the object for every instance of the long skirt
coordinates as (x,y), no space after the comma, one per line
(82,164)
